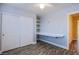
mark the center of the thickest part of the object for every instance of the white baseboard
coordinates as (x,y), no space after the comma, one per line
(54,44)
(34,42)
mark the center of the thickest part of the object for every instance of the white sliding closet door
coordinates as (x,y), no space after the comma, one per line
(17,31)
(26,30)
(10,31)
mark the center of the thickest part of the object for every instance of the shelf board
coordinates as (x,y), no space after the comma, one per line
(51,35)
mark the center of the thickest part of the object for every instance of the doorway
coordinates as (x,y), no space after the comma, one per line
(73,32)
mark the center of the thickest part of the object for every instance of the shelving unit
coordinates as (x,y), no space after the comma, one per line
(37,24)
(38,33)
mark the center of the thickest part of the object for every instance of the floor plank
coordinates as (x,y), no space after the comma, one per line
(40,48)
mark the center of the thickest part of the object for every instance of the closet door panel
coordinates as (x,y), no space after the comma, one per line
(26,31)
(10,31)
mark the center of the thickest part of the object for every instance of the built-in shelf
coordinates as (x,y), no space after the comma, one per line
(51,35)
(37,24)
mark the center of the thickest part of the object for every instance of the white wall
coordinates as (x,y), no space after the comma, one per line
(15,10)
(0,29)
(57,23)
(0,26)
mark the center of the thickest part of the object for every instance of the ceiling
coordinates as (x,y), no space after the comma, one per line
(33,7)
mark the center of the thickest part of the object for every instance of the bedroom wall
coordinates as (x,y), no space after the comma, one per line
(58,23)
(0,27)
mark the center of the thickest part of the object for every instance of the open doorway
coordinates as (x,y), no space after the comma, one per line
(73,32)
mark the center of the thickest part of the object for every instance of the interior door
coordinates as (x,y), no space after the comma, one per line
(78,34)
(26,30)
(10,31)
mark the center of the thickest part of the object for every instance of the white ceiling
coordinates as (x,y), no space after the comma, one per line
(33,7)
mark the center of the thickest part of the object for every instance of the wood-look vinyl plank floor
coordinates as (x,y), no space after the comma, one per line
(40,48)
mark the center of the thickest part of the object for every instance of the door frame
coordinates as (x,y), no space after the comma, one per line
(68,26)
(1,35)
